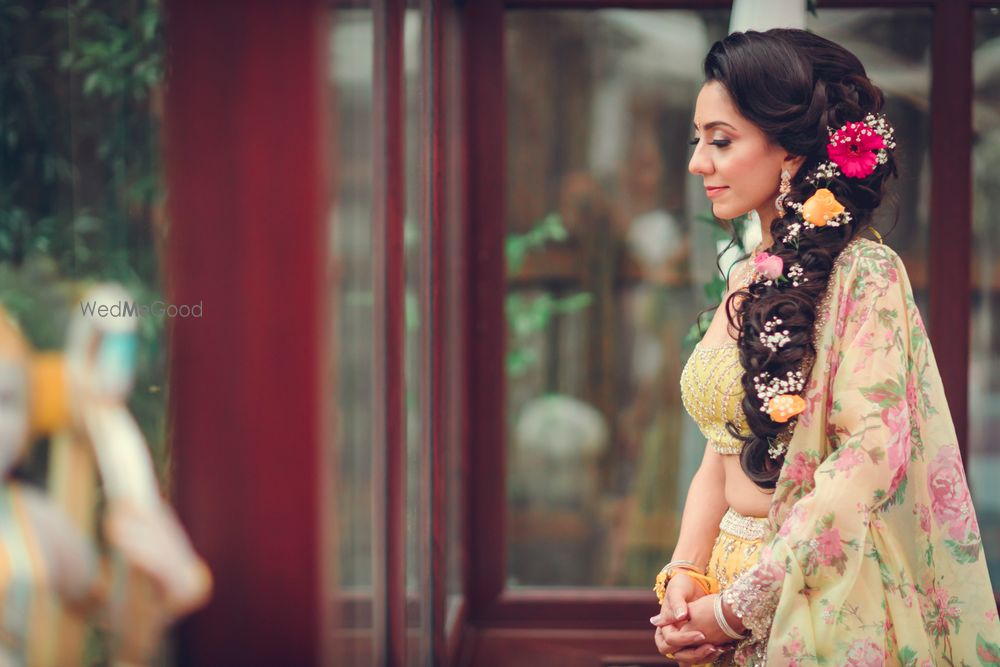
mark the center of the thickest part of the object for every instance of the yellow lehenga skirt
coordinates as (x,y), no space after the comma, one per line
(736,550)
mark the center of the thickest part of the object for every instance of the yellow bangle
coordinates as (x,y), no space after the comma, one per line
(708,584)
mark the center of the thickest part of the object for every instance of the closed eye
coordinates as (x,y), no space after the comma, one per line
(720,143)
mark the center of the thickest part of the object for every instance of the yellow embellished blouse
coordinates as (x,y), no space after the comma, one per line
(712,393)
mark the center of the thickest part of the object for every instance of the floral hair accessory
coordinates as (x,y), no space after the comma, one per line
(769,388)
(768,265)
(796,275)
(853,148)
(784,407)
(823,209)
(779,445)
(793,234)
(771,337)
(856,149)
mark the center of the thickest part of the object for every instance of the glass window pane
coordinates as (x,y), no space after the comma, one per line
(984,364)
(417,338)
(454,317)
(607,258)
(351,352)
(610,245)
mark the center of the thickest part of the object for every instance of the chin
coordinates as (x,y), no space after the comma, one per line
(728,212)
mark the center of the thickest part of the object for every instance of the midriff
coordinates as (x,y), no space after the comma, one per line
(741,493)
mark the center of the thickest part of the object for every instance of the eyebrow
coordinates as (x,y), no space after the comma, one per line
(709,126)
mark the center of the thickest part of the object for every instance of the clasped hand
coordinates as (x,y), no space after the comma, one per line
(686,629)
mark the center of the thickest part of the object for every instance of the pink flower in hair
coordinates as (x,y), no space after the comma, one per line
(768,265)
(853,148)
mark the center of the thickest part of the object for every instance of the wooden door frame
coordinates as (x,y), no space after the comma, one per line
(245,172)
(573,615)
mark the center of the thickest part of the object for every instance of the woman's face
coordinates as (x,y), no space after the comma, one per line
(741,169)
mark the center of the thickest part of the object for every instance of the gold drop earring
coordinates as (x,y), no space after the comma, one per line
(783,189)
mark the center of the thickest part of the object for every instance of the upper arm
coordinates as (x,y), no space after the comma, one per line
(711,464)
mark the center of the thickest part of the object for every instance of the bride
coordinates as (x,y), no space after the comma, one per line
(830,521)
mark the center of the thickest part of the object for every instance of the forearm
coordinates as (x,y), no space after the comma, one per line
(703,510)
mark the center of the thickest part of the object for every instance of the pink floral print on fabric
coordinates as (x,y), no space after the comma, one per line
(876,547)
(865,653)
(950,499)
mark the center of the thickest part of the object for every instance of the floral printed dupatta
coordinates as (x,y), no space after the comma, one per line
(875,556)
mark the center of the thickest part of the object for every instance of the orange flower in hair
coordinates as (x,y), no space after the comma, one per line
(821,208)
(784,407)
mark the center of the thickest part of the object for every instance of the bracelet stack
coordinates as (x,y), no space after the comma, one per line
(720,618)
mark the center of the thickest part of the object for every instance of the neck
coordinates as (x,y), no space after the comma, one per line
(766,218)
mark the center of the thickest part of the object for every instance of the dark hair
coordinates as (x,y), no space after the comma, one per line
(792,85)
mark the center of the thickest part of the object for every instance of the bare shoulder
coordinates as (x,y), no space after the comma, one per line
(737,274)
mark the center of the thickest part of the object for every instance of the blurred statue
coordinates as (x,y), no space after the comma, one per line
(53,577)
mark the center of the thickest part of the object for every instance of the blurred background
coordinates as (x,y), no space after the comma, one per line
(451,260)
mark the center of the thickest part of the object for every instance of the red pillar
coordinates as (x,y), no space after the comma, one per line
(246,202)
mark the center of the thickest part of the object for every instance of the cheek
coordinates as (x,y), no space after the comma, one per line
(746,175)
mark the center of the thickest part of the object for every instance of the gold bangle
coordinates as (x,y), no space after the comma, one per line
(688,564)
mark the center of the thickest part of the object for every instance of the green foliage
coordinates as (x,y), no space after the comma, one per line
(80,178)
(527,316)
(546,230)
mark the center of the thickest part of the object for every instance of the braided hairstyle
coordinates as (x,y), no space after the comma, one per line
(793,85)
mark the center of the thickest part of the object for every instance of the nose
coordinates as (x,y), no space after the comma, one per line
(700,164)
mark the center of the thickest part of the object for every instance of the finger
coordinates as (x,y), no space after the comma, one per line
(705,652)
(682,639)
(665,617)
(675,601)
(662,647)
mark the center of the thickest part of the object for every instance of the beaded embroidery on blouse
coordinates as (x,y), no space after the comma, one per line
(712,390)
(712,394)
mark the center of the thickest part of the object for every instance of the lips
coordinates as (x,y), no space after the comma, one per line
(711,190)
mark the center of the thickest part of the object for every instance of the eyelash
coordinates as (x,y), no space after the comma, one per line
(720,143)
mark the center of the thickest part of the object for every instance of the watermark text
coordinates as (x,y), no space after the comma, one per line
(133,309)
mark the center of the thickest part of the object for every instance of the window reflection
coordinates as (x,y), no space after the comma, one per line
(417,338)
(351,354)
(984,365)
(606,258)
